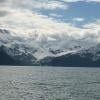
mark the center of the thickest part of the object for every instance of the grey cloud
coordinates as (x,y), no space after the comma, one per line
(2,1)
(3,13)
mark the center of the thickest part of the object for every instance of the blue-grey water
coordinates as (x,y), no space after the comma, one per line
(49,83)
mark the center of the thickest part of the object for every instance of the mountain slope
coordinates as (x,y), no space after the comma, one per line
(78,58)
(74,61)
(5,59)
(82,58)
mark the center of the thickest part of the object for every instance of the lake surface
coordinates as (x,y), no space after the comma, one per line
(49,83)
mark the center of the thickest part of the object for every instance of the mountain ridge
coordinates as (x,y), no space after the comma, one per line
(30,52)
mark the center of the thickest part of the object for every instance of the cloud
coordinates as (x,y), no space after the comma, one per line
(39,4)
(1,1)
(21,18)
(79,19)
(50,5)
(3,13)
(55,15)
(27,24)
(93,1)
(93,28)
(72,1)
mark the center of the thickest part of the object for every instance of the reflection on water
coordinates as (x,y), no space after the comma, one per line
(49,83)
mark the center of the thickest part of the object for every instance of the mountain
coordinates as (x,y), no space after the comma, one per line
(82,58)
(6,59)
(45,50)
(9,56)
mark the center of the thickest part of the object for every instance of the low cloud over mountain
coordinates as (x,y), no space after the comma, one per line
(42,29)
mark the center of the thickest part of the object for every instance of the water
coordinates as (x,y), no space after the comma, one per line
(49,83)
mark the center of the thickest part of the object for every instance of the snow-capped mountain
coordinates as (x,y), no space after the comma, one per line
(82,58)
(48,49)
